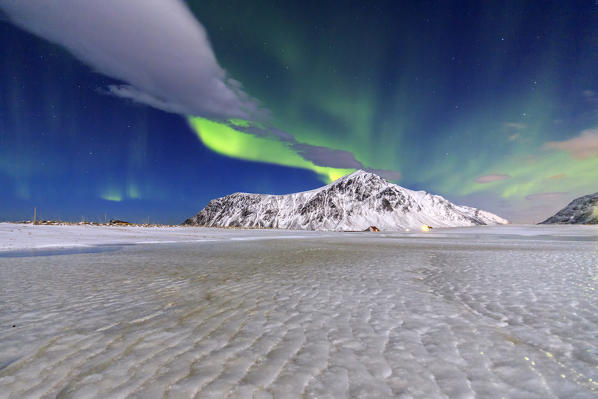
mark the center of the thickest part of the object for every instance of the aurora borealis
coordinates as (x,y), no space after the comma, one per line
(490,104)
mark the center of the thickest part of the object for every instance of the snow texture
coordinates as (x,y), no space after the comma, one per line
(489,312)
(582,210)
(353,203)
(15,237)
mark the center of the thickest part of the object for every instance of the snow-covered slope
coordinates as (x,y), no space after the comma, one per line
(582,210)
(352,203)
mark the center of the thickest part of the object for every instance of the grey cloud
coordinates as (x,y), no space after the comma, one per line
(156,46)
(324,156)
(387,174)
(268,132)
(321,156)
(138,96)
(164,58)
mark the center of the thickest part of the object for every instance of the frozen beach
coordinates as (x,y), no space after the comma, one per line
(505,311)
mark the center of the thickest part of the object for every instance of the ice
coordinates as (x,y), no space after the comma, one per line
(508,311)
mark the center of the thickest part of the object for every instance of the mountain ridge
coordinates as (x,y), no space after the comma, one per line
(352,203)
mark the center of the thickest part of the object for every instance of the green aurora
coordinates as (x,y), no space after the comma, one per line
(445,107)
(490,104)
(225,140)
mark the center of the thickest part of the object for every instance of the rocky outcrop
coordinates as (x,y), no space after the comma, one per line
(582,210)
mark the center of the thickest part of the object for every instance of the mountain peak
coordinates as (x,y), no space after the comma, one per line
(361,176)
(361,173)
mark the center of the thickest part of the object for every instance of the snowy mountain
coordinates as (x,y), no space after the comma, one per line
(582,210)
(352,203)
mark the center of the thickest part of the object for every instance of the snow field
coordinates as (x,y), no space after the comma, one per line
(456,314)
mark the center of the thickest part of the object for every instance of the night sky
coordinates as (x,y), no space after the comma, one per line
(150,108)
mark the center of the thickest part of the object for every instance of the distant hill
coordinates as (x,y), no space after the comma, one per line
(582,210)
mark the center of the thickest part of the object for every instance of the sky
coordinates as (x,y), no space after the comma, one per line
(147,109)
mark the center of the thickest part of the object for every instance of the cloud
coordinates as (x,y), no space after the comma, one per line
(266,132)
(341,159)
(491,178)
(545,196)
(583,146)
(386,174)
(138,96)
(163,57)
(318,155)
(156,47)
(324,156)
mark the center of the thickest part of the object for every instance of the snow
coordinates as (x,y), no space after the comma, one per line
(14,237)
(488,311)
(352,203)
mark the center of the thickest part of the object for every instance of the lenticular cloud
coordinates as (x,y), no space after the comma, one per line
(156,47)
